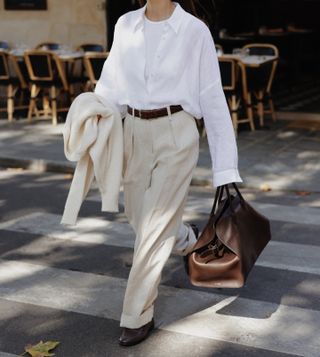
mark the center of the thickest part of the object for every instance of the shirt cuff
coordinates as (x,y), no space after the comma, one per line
(226,176)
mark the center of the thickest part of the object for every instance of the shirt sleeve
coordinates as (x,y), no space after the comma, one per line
(216,116)
(107,83)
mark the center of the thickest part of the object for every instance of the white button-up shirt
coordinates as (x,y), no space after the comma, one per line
(185,71)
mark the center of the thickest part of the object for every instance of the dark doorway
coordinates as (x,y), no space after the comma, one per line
(114,9)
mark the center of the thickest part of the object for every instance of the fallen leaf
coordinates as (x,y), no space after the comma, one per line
(41,349)
(303,193)
(265,187)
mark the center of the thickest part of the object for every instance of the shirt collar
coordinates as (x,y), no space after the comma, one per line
(174,20)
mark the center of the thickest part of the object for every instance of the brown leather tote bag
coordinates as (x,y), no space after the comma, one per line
(230,243)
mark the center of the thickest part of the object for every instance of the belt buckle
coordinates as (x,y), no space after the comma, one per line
(136,112)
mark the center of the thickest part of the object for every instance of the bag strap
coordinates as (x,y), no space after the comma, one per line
(237,190)
(217,199)
(219,195)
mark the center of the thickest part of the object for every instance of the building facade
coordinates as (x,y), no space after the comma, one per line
(70,22)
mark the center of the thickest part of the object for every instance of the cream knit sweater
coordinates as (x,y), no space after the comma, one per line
(97,146)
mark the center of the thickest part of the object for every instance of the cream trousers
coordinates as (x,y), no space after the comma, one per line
(160,156)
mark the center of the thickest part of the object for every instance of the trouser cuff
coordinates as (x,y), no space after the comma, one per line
(131,321)
(192,240)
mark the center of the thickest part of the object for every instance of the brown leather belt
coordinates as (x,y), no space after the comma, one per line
(154,113)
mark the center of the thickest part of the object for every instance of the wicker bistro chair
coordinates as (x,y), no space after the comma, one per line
(235,95)
(91,47)
(15,82)
(7,81)
(20,69)
(260,79)
(88,47)
(51,46)
(4,45)
(46,75)
(93,63)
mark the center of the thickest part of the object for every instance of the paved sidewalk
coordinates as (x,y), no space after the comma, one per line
(285,156)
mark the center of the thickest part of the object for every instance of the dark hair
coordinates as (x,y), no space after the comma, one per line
(195,7)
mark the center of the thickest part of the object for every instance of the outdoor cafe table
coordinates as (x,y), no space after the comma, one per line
(62,54)
(252,60)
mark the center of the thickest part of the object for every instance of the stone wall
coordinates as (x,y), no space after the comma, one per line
(70,22)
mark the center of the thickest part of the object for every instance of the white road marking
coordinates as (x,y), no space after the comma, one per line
(196,206)
(244,321)
(279,255)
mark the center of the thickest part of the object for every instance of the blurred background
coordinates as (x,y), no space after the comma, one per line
(76,27)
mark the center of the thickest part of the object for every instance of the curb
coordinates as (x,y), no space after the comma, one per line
(41,166)
(38,165)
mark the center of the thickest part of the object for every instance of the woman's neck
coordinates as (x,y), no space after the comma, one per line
(158,10)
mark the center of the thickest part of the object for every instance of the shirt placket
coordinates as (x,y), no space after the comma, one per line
(142,58)
(153,77)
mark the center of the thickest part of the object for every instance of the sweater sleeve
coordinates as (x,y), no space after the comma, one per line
(216,116)
(106,86)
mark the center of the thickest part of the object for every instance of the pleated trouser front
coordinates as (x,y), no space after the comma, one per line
(160,156)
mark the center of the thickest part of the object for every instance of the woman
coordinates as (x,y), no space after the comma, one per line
(162,72)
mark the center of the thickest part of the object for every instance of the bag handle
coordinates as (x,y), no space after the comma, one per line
(237,190)
(217,199)
(219,195)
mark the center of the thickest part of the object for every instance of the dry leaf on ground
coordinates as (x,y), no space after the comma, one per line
(68,176)
(303,193)
(265,187)
(41,349)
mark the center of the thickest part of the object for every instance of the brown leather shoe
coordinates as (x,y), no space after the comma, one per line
(132,336)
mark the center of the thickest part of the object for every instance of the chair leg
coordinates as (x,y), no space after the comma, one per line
(32,103)
(45,105)
(87,86)
(250,112)
(261,113)
(234,116)
(272,110)
(36,110)
(10,102)
(54,105)
(259,96)
(233,104)
(71,92)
